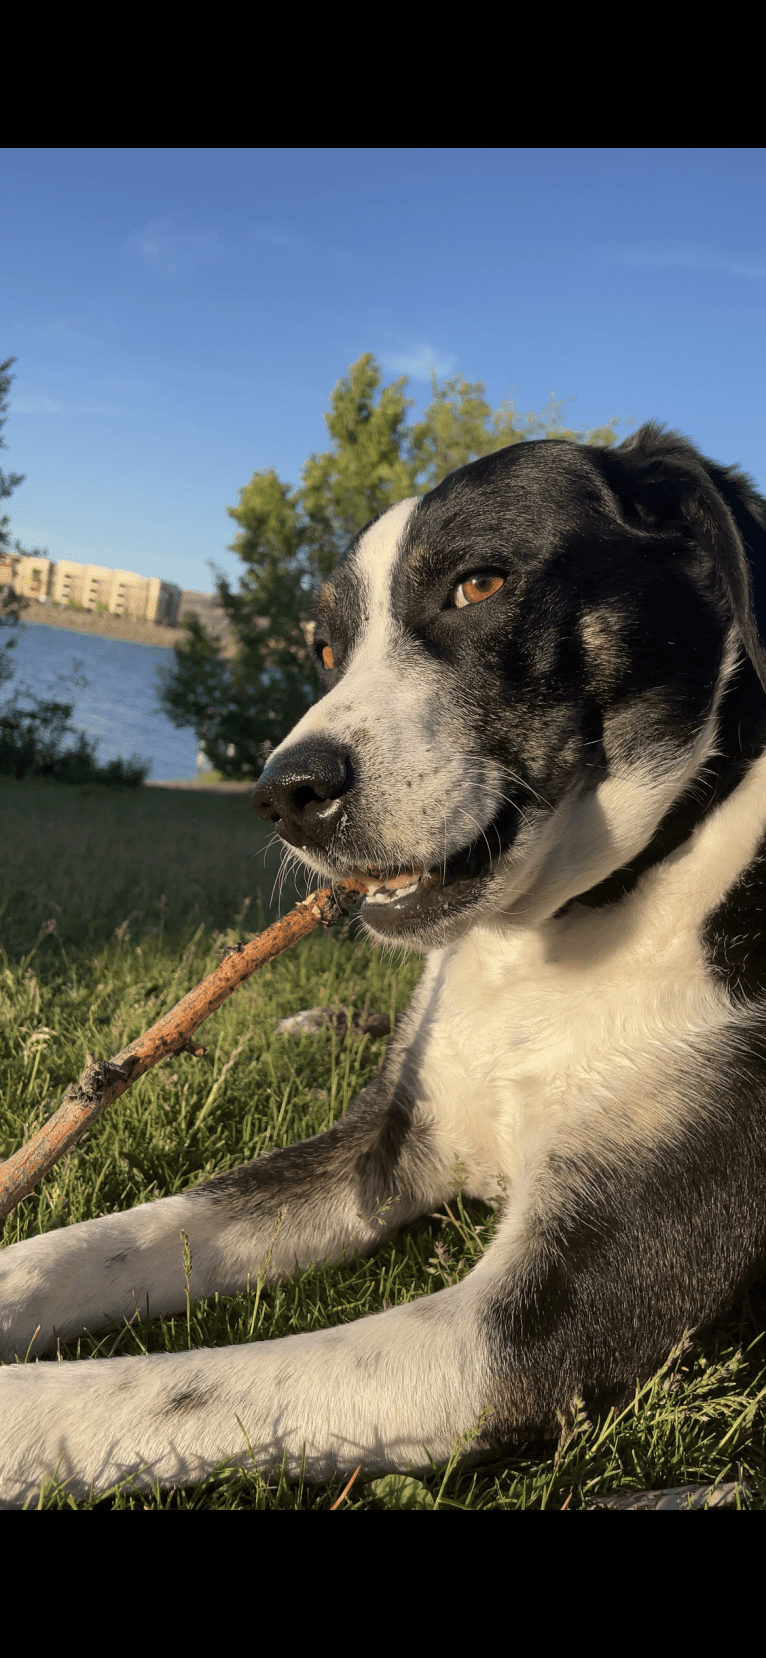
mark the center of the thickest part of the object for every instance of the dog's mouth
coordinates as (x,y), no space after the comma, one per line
(393,902)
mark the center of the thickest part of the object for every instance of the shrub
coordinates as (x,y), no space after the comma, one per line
(32,734)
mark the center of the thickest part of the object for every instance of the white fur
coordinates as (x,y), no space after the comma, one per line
(385,1392)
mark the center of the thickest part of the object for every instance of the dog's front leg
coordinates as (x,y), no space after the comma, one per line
(345,1189)
(386,1392)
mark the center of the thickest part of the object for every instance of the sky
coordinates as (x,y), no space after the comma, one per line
(179,318)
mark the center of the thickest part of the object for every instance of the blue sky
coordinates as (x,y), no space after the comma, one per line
(180,317)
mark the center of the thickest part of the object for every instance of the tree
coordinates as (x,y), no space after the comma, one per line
(289,539)
(8,480)
(240,707)
(459,426)
(32,728)
(368,468)
(10,603)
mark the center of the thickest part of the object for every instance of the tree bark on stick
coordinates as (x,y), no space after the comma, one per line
(103,1081)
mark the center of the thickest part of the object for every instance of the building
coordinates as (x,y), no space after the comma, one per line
(29,575)
(94,587)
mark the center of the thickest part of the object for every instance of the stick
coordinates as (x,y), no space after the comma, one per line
(103,1081)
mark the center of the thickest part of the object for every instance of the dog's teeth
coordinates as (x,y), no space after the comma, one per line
(387,894)
(390,883)
(384,889)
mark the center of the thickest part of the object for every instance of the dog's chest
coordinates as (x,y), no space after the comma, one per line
(580,1029)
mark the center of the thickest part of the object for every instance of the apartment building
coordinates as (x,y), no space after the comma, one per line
(92,587)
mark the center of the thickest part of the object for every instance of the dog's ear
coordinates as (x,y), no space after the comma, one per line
(659,477)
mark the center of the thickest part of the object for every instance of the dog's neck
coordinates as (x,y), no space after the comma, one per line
(741,739)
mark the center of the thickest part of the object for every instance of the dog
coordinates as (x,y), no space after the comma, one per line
(542,743)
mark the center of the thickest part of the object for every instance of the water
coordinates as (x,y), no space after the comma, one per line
(118,709)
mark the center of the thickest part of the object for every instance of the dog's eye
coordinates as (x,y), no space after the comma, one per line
(481,584)
(325,654)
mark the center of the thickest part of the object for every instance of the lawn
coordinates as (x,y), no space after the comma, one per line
(113,904)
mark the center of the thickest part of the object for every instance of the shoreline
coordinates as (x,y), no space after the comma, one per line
(131,629)
(230,786)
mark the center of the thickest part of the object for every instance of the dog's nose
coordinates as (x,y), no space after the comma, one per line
(302,793)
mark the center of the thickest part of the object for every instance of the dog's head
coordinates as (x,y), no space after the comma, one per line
(524,673)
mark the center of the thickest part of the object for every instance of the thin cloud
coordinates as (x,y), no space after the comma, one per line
(58,331)
(417,362)
(37,406)
(102,408)
(753,270)
(275,239)
(167,247)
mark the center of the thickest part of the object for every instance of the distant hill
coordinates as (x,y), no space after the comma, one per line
(205,605)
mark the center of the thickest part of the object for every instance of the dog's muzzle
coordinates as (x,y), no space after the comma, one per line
(304,794)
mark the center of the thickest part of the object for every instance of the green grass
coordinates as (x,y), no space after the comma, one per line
(113,904)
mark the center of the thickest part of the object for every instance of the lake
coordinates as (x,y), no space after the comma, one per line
(118,709)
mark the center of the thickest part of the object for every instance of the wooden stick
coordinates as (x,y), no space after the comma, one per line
(103,1081)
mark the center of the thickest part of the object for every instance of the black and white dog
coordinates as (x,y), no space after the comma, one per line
(542,741)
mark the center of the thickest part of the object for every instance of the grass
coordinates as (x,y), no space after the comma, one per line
(114,903)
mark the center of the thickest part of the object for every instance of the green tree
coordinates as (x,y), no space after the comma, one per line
(8,480)
(10,603)
(368,468)
(241,706)
(33,729)
(289,539)
(459,426)
(456,428)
